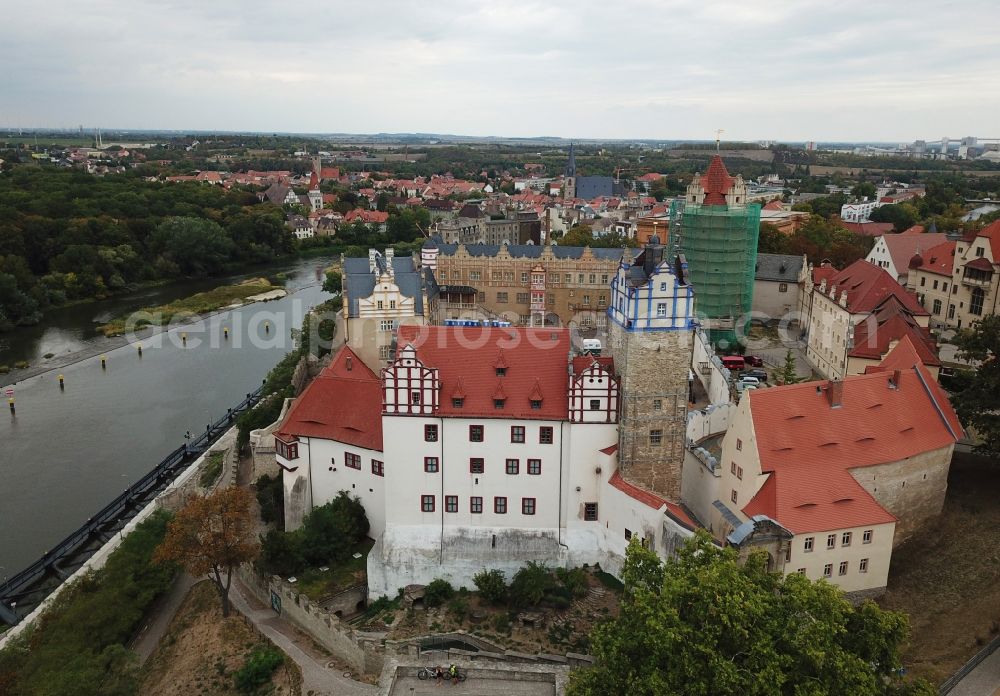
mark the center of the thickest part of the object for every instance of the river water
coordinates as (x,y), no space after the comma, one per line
(66,453)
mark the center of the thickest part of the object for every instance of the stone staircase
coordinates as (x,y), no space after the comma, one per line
(592,600)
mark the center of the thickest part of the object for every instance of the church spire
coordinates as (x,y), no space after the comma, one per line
(571,163)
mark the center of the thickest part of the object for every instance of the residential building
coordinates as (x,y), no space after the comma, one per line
(893,252)
(848,469)
(963,278)
(776,287)
(839,302)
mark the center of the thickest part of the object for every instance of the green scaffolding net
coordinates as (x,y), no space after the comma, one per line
(720,245)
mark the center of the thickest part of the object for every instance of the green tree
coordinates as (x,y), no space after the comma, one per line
(771,240)
(194,246)
(334,282)
(977,400)
(578,235)
(787,374)
(491,585)
(703,624)
(529,585)
(864,189)
(901,215)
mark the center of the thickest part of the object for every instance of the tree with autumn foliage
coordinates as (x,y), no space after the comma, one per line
(212,535)
(705,624)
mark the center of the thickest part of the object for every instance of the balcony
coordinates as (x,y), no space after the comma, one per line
(977,282)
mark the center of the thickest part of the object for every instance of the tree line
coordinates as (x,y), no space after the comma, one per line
(67,236)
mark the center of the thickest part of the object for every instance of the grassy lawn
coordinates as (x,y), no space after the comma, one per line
(195,304)
(316,584)
(212,468)
(948,579)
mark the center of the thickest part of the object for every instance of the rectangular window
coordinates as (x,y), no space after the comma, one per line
(545,435)
(386,325)
(593,278)
(476,505)
(451,503)
(602,301)
(522,298)
(427,503)
(502,297)
(498,403)
(385,352)
(378,468)
(457,403)
(863,565)
(655,437)
(431,465)
(500,505)
(352,461)
(739,445)
(536,405)
(845,539)
(590,512)
(604,279)
(513,466)
(657,404)
(517,433)
(782,287)
(733,496)
(579,278)
(379,304)
(739,473)
(392,304)
(732,468)
(628,533)
(807,545)
(474,275)
(831,541)
(828,570)
(842,570)
(595,404)
(477,465)
(586,299)
(661,309)
(524,277)
(415,398)
(866,536)
(527,506)
(430,433)
(534,467)
(475,433)
(569,278)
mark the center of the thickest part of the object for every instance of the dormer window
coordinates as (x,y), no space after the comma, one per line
(457,403)
(498,403)
(501,371)
(536,405)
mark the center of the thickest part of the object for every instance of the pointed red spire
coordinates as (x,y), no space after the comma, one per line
(716,182)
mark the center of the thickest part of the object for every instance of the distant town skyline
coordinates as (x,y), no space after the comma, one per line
(791,71)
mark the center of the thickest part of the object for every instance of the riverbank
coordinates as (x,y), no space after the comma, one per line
(224,297)
(106,344)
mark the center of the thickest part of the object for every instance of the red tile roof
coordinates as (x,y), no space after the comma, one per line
(716,182)
(823,272)
(776,204)
(889,322)
(915,229)
(343,403)
(867,286)
(651,499)
(868,229)
(465,357)
(938,259)
(980,263)
(809,447)
(903,246)
(992,233)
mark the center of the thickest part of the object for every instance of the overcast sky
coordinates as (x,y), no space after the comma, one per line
(790,70)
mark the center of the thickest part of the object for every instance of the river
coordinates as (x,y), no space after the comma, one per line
(66,453)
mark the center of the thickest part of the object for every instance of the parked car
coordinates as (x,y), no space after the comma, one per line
(749,381)
(733,362)
(761,375)
(753,360)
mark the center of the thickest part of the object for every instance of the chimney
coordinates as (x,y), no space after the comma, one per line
(843,299)
(835,393)
(349,362)
(897,375)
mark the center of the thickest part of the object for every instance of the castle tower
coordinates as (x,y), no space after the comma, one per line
(429,254)
(315,195)
(569,177)
(651,334)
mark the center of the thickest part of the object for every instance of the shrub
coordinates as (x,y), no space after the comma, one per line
(22,364)
(281,553)
(437,592)
(529,586)
(502,623)
(271,498)
(258,669)
(574,580)
(459,608)
(492,586)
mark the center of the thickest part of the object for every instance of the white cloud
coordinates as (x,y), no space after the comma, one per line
(793,69)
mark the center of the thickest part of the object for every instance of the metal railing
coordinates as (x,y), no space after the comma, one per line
(22,592)
(952,681)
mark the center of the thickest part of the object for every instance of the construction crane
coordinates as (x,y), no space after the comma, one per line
(619,170)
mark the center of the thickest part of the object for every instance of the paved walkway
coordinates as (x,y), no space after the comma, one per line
(317,678)
(411,686)
(150,635)
(984,680)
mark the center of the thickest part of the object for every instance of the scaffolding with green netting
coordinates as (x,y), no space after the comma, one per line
(720,245)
